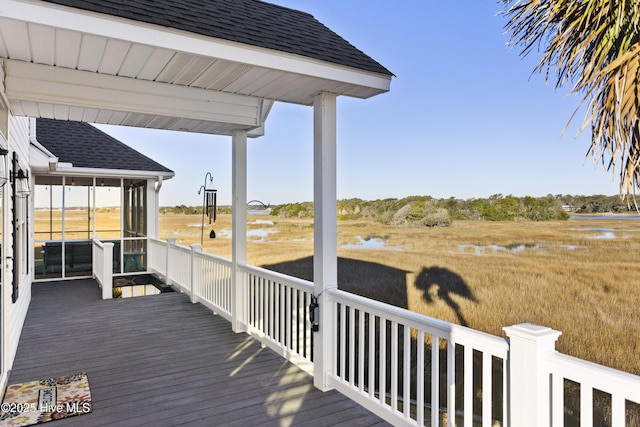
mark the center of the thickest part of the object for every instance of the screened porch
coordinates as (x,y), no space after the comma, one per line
(70,211)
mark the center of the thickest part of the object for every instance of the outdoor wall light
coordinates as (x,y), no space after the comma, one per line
(3,167)
(20,179)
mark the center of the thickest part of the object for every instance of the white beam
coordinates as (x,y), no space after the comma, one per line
(325,258)
(42,83)
(238,227)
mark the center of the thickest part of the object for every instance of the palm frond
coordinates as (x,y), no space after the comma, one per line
(595,46)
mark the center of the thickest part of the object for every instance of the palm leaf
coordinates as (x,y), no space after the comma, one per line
(595,46)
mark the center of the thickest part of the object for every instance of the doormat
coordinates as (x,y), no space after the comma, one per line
(37,402)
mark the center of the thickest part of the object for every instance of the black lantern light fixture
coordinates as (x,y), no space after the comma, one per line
(19,179)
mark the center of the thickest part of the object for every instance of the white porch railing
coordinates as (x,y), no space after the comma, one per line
(617,390)
(415,368)
(276,313)
(102,265)
(408,368)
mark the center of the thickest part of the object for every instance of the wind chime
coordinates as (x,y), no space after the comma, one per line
(209,205)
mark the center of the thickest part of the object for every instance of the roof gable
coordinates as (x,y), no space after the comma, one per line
(85,146)
(251,22)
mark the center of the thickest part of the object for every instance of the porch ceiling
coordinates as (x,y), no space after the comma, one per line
(102,69)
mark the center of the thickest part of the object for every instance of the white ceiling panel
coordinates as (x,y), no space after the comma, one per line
(192,71)
(90,115)
(174,67)
(229,77)
(18,109)
(104,116)
(162,122)
(91,52)
(261,91)
(295,85)
(46,110)
(76,114)
(67,48)
(212,73)
(114,53)
(134,61)
(156,62)
(15,35)
(42,41)
(117,117)
(253,79)
(61,112)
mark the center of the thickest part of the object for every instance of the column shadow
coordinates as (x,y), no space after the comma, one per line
(367,279)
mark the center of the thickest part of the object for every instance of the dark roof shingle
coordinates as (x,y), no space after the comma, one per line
(85,146)
(251,22)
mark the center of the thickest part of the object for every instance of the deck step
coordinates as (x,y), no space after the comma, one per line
(141,279)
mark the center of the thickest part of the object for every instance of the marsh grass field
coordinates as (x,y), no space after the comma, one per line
(578,276)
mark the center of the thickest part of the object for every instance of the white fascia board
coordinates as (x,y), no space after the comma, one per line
(109,173)
(34,142)
(168,38)
(45,83)
(38,157)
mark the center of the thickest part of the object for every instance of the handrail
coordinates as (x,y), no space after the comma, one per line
(409,368)
(621,386)
(386,356)
(275,313)
(481,340)
(598,376)
(294,282)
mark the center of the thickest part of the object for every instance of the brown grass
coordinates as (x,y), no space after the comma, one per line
(574,281)
(590,292)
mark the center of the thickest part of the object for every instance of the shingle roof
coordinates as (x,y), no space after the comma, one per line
(85,146)
(252,22)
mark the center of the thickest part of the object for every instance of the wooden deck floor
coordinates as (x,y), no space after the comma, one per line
(160,360)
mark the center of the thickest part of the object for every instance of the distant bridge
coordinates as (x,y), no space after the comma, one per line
(259,203)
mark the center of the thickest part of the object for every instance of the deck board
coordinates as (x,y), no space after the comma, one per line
(161,360)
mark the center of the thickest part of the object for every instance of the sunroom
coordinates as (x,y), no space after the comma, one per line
(89,185)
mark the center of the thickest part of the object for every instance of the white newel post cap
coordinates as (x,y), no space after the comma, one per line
(529,396)
(532,333)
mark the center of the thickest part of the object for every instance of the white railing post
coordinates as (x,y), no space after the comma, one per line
(195,272)
(529,387)
(171,241)
(107,272)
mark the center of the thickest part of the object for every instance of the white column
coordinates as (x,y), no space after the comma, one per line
(238,227)
(153,208)
(325,257)
(529,382)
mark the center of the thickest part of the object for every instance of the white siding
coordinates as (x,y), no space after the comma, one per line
(15,313)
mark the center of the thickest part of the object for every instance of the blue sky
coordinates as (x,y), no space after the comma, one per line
(464,118)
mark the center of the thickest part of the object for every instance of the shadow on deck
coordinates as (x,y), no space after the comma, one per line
(161,360)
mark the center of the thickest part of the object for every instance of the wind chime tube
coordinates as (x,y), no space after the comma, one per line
(211,204)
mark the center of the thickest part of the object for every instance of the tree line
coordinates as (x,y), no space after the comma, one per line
(429,211)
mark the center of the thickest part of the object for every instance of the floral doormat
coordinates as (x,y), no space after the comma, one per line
(37,402)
